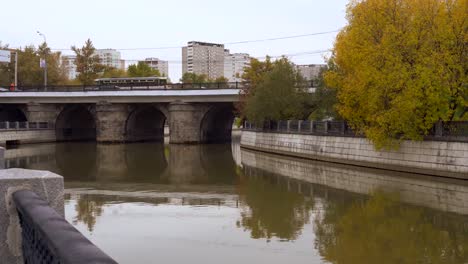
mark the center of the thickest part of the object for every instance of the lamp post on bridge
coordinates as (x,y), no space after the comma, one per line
(44,63)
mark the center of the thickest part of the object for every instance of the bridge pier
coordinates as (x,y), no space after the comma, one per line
(110,122)
(41,112)
(185,121)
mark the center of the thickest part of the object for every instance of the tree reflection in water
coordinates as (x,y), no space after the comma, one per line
(88,209)
(272,210)
(383,230)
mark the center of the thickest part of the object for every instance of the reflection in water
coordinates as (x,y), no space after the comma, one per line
(272,210)
(88,210)
(219,202)
(382,230)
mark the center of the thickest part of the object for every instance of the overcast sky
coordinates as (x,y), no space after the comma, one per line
(123,24)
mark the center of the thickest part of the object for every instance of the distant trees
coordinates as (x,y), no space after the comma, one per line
(142,70)
(29,71)
(88,64)
(111,72)
(401,66)
(189,77)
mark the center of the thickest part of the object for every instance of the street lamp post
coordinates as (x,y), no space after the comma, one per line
(45,61)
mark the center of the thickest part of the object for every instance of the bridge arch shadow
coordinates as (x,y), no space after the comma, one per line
(75,123)
(11,113)
(216,125)
(145,123)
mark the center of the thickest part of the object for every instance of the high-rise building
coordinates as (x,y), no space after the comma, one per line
(310,71)
(203,58)
(110,58)
(157,64)
(234,65)
(68,62)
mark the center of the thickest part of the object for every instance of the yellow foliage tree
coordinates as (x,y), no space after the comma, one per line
(401,66)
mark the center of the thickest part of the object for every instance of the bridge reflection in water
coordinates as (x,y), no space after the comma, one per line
(141,202)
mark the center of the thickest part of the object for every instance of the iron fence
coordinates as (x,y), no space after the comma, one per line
(442,131)
(25,125)
(47,238)
(136,86)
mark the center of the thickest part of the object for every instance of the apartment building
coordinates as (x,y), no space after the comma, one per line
(68,62)
(203,58)
(310,71)
(110,58)
(157,64)
(234,65)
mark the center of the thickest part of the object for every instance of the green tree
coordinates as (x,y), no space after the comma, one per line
(88,65)
(189,77)
(252,76)
(277,96)
(323,100)
(142,70)
(401,66)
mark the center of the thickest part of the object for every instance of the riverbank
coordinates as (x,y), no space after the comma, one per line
(436,158)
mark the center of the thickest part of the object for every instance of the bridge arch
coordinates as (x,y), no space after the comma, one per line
(216,124)
(12,113)
(76,123)
(145,123)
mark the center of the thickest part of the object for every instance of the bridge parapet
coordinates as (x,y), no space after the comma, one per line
(32,224)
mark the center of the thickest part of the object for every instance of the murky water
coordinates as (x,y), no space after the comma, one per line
(155,203)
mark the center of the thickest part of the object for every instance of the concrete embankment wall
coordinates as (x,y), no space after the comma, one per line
(28,136)
(433,192)
(447,159)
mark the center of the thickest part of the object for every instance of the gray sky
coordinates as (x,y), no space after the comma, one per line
(123,24)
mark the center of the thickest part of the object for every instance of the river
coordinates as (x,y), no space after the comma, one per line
(160,203)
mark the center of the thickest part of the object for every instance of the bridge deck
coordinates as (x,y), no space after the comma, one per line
(128,96)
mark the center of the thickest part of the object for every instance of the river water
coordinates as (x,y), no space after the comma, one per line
(157,203)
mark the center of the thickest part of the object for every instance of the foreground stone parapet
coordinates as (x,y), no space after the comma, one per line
(47,185)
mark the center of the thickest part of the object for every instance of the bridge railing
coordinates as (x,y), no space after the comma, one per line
(137,87)
(442,131)
(48,238)
(25,125)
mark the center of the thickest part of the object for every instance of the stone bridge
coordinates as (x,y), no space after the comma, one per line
(193,116)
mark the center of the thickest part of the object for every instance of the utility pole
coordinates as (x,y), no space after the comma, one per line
(45,61)
(16,69)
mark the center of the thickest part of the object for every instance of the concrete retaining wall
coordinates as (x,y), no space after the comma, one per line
(28,136)
(447,159)
(433,192)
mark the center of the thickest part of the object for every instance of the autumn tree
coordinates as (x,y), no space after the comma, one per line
(401,66)
(277,95)
(88,64)
(141,69)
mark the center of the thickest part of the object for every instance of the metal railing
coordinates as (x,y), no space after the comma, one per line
(138,86)
(442,131)
(48,238)
(25,125)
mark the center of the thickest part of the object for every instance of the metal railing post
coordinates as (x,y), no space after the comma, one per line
(288,125)
(299,123)
(16,125)
(439,129)
(278,126)
(311,127)
(343,127)
(27,125)
(325,127)
(7,125)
